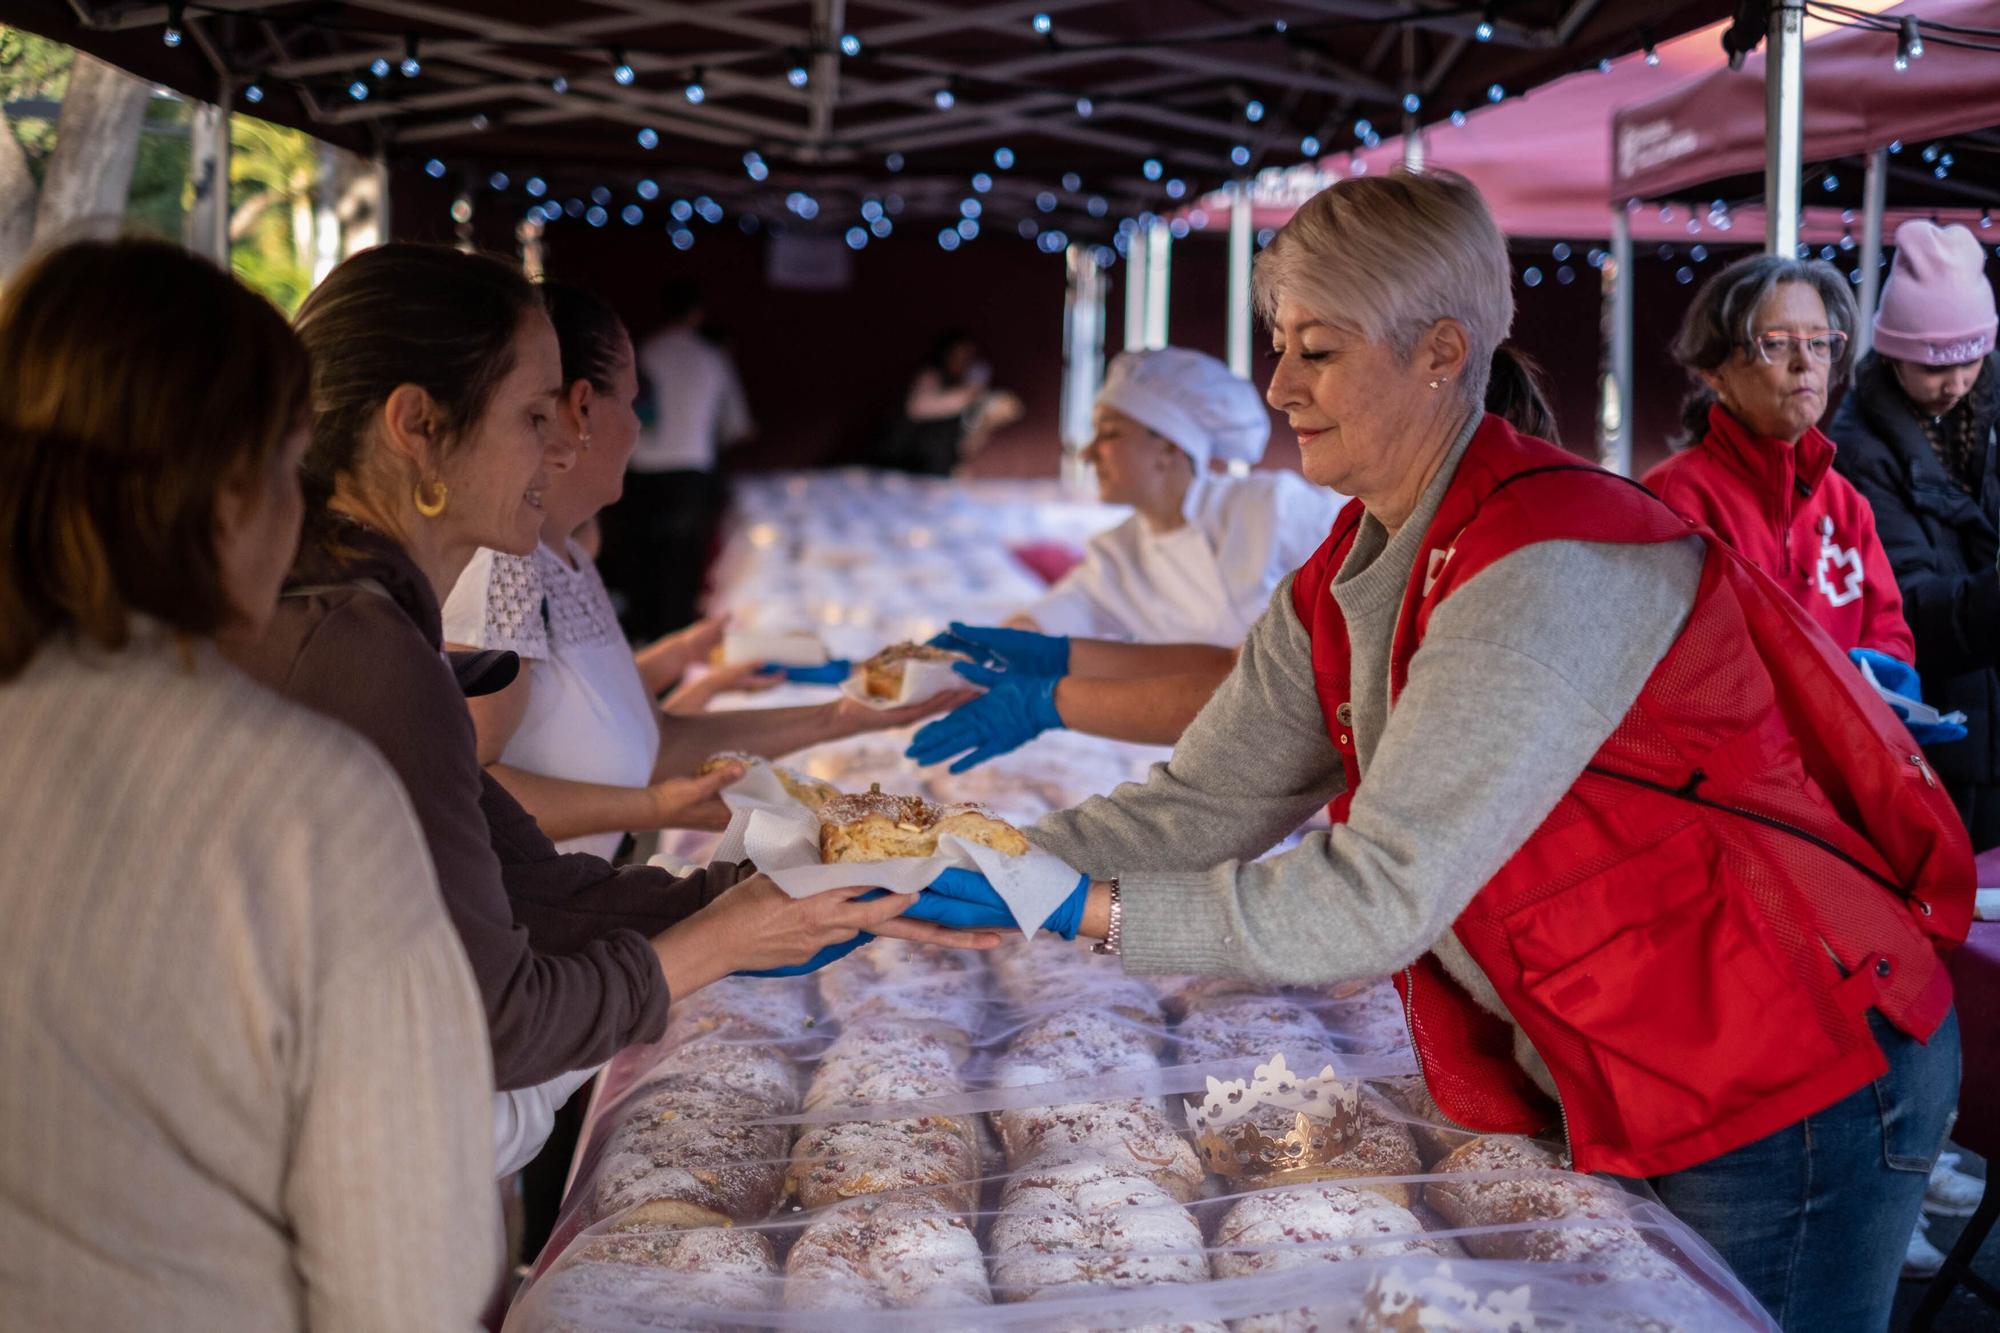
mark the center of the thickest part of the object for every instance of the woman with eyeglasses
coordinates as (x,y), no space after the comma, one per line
(1764,342)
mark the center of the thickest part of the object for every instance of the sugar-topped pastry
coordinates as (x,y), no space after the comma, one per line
(882,674)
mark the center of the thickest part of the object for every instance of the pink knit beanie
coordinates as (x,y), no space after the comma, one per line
(1937,309)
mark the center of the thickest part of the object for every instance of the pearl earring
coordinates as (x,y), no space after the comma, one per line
(1440,382)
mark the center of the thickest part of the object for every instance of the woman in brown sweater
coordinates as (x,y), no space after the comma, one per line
(435,379)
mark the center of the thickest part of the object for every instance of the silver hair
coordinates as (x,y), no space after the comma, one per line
(1388,256)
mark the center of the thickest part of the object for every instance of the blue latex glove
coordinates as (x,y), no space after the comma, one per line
(832,673)
(832,953)
(963,900)
(1014,710)
(1013,649)
(1899,677)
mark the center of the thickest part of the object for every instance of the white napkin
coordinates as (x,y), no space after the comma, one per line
(782,836)
(1918,710)
(778,648)
(921,680)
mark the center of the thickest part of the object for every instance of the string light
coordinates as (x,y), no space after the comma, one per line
(1041,24)
(253,93)
(982,182)
(379,67)
(621,70)
(1097,206)
(558,85)
(537,187)
(683,238)
(893,162)
(479,122)
(968,229)
(1176,188)
(881,227)
(649,137)
(1652,54)
(694,92)
(1411,103)
(1912,38)
(497,181)
(797,76)
(1046,202)
(968,208)
(1604,65)
(850,45)
(358,90)
(1084,106)
(1309,146)
(857,238)
(1150,168)
(434,169)
(1027,229)
(945,98)
(171,34)
(1494,92)
(1363,128)
(1003,158)
(948,239)
(1484,32)
(1253,111)
(1240,155)
(411,66)
(600,195)
(596,217)
(649,190)
(1457,117)
(1072,182)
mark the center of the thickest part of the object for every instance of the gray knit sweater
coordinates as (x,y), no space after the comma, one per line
(1522,675)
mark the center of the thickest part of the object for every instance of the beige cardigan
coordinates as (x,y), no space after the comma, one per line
(243,1070)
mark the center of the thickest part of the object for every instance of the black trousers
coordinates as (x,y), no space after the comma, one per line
(658,540)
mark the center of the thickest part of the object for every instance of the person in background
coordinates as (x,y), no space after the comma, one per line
(246,1069)
(1915,436)
(576,737)
(660,537)
(1765,342)
(950,412)
(1641,850)
(437,382)
(1143,692)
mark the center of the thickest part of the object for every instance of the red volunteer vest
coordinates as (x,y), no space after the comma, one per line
(1755,857)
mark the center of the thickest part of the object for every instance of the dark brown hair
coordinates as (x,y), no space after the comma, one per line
(1517,393)
(137,381)
(591,335)
(426,315)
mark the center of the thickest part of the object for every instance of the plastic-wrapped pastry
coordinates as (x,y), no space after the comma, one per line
(919,986)
(1302,1225)
(886,1254)
(690,1155)
(1249,1029)
(1087,1224)
(1133,1135)
(1598,1228)
(605,1280)
(1047,975)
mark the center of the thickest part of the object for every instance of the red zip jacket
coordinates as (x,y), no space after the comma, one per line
(1755,858)
(1786,512)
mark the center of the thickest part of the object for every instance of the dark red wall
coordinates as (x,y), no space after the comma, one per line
(824,369)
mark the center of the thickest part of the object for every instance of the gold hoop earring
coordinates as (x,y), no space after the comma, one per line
(428,505)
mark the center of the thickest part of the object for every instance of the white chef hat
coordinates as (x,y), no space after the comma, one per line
(1192,399)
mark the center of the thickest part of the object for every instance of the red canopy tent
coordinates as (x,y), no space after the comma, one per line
(1856,100)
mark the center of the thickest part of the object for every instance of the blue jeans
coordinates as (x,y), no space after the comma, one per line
(1814,1219)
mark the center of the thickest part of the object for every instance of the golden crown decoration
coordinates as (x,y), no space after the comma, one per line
(1236,1141)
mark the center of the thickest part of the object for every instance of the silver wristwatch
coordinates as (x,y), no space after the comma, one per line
(1115,926)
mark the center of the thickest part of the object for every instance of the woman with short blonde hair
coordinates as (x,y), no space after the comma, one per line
(1585,800)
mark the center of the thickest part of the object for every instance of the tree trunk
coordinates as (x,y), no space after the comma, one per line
(17,202)
(97,145)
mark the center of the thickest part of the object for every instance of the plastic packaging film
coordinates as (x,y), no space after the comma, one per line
(924,1139)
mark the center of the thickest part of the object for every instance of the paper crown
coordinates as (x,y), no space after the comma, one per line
(1241,1132)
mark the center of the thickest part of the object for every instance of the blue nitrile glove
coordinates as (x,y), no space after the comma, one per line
(830,673)
(1015,649)
(832,953)
(1014,710)
(1899,677)
(963,900)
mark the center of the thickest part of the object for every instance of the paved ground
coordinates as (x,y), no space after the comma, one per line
(1964,1313)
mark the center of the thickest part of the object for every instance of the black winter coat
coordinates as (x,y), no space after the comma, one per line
(1943,545)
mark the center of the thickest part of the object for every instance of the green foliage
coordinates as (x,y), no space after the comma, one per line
(33,69)
(272,170)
